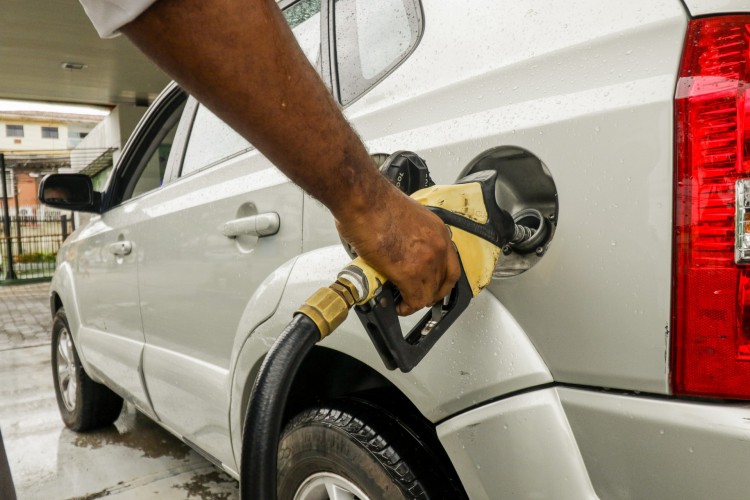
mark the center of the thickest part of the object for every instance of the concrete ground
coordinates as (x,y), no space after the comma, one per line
(133,459)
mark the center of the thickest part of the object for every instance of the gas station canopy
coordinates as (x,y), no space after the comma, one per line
(49,51)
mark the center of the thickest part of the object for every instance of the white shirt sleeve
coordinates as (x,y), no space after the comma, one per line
(109,16)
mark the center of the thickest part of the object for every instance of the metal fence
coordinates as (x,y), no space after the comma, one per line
(28,245)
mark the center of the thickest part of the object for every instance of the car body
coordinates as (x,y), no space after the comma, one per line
(557,382)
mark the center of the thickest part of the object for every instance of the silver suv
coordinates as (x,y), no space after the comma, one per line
(613,361)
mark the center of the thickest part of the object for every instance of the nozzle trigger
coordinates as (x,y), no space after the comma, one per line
(406,351)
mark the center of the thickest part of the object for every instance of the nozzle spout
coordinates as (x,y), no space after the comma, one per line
(521,234)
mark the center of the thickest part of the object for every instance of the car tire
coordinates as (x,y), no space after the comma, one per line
(353,447)
(83,403)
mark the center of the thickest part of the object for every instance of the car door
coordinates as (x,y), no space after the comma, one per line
(199,268)
(106,271)
(200,265)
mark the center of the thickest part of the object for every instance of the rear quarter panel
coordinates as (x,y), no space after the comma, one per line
(588,87)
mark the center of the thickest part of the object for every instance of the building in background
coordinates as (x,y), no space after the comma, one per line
(35,143)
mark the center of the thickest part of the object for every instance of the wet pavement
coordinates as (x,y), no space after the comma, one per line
(133,459)
(24,316)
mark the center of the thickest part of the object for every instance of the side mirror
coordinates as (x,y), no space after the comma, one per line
(70,192)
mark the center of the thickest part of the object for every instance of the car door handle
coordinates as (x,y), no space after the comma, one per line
(260,225)
(121,248)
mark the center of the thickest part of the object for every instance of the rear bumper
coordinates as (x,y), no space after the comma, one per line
(641,447)
(566,443)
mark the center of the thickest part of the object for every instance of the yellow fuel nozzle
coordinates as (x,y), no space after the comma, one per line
(470,220)
(479,230)
(365,279)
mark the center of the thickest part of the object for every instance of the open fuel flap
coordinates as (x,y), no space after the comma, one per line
(524,187)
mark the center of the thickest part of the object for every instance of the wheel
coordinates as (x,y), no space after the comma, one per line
(83,403)
(352,451)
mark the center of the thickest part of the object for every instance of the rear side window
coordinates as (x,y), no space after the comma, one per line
(304,19)
(372,38)
(211,140)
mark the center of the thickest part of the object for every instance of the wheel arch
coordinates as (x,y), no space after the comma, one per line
(55,302)
(485,354)
(63,294)
(328,376)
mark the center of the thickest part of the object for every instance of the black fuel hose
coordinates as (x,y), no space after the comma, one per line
(265,411)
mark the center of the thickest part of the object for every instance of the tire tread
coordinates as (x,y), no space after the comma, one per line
(351,422)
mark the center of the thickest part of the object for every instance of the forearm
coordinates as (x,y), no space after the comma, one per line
(222,52)
(239,58)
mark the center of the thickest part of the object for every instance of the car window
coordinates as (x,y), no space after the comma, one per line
(152,174)
(304,19)
(212,140)
(145,163)
(371,39)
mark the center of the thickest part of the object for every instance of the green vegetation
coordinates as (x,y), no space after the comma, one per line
(26,258)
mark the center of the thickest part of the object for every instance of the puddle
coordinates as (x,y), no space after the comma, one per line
(136,431)
(200,486)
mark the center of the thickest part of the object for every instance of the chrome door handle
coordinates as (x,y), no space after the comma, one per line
(260,225)
(121,248)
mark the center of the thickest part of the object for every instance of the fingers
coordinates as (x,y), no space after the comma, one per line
(408,308)
(411,246)
(416,298)
(452,273)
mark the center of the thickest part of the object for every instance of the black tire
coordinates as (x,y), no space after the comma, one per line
(85,405)
(356,442)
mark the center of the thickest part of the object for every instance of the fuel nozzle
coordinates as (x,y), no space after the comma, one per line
(409,173)
(479,228)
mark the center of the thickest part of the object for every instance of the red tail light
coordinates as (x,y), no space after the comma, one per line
(711,304)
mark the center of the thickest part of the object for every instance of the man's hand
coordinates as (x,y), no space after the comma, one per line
(407,243)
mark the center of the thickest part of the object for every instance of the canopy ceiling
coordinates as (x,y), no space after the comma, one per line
(38,36)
